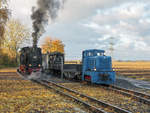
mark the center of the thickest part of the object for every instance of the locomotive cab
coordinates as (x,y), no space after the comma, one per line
(97,68)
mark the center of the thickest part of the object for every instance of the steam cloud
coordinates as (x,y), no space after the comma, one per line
(45,10)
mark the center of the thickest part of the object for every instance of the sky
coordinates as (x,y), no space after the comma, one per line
(90,24)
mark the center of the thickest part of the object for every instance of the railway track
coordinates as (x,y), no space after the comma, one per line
(9,76)
(8,73)
(91,103)
(142,97)
(135,95)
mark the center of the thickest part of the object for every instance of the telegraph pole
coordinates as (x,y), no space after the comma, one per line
(111,46)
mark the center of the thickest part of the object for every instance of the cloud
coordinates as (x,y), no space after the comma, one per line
(128,23)
(85,24)
(21,10)
(76,10)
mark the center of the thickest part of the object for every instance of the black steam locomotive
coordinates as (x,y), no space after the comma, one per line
(30,60)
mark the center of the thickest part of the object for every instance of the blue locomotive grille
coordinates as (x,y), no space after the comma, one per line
(104,77)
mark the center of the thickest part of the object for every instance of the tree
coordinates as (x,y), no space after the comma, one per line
(47,45)
(3,18)
(51,45)
(16,35)
(58,46)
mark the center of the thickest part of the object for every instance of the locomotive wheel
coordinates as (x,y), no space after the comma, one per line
(70,75)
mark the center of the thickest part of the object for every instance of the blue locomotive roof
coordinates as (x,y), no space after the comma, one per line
(97,50)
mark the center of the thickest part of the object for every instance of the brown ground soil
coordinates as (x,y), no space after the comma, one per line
(22,96)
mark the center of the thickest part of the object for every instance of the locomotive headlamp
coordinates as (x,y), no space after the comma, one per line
(39,65)
(94,69)
(30,65)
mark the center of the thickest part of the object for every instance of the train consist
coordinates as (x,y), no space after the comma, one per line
(95,67)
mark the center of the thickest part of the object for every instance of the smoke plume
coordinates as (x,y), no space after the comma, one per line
(46,10)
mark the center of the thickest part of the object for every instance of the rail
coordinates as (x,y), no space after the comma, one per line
(135,95)
(91,103)
(141,97)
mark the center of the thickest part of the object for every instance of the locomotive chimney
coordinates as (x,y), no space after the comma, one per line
(35,41)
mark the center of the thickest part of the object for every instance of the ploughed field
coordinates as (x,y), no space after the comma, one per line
(23,96)
(136,70)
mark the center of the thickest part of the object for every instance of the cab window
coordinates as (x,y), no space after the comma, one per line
(100,54)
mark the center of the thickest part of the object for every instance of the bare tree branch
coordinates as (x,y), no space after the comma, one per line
(15,36)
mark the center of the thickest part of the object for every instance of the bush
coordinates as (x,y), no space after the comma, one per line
(5,61)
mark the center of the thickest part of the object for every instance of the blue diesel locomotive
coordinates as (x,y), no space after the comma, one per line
(95,67)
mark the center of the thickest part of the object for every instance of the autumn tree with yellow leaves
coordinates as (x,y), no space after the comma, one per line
(16,36)
(52,45)
(4,14)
